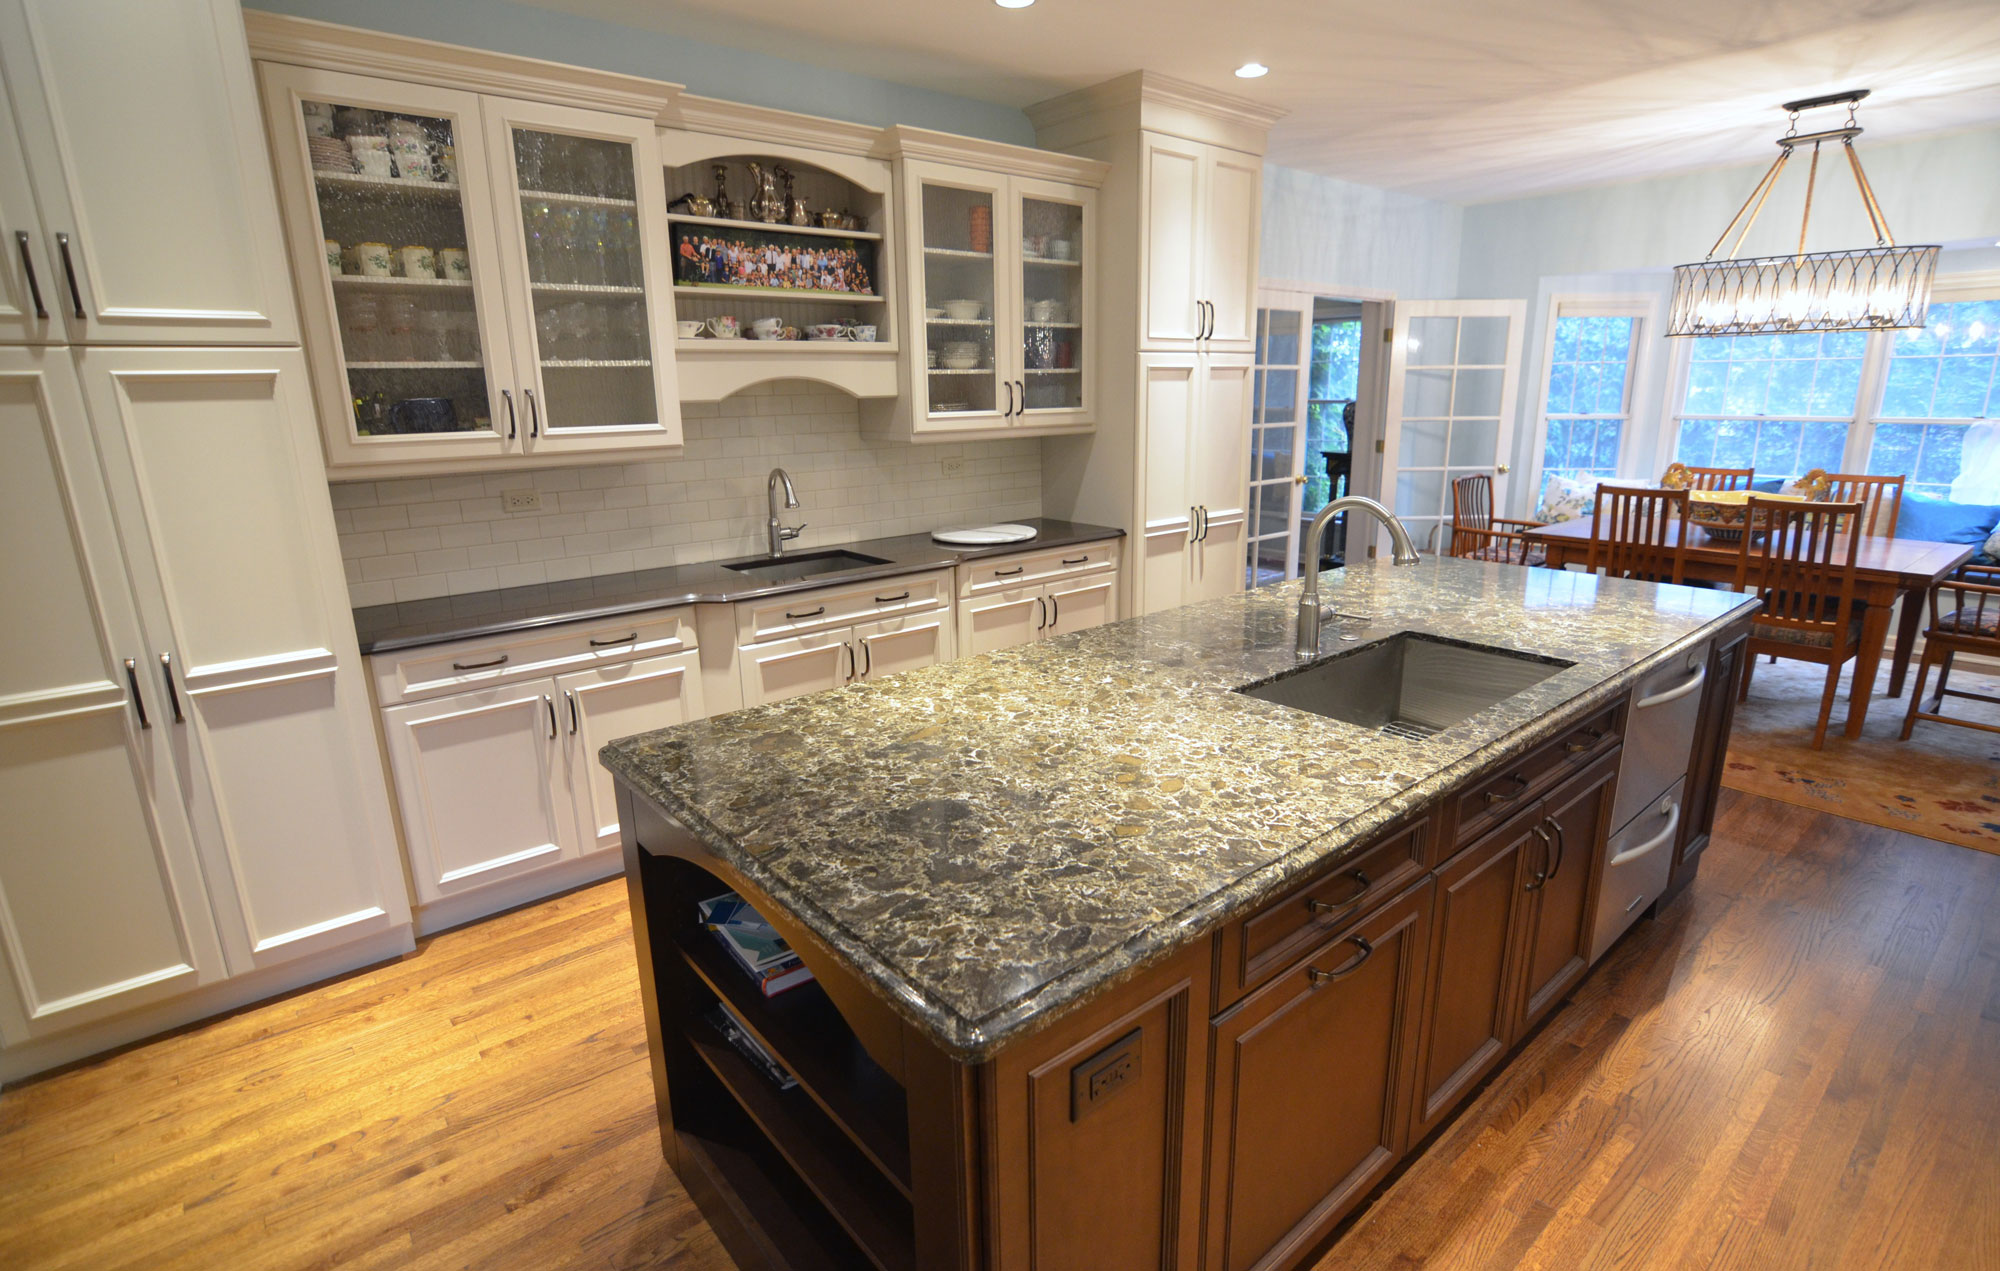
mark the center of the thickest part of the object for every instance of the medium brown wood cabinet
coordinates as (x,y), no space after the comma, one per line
(1711,750)
(1574,823)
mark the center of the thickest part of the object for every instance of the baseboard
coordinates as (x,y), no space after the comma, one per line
(30,1058)
(511,893)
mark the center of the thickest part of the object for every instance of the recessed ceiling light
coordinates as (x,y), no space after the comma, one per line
(1013,4)
(1252,70)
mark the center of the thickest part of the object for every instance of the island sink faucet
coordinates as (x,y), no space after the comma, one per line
(1310,612)
(780,532)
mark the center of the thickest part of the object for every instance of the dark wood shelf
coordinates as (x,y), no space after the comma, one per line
(860,1199)
(806,1032)
(757,1208)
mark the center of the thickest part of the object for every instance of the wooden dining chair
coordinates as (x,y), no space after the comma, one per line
(1802,567)
(1477,534)
(1720,478)
(1880,497)
(1970,625)
(1638,533)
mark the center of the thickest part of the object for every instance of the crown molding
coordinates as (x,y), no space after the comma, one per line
(901,141)
(1156,103)
(691,113)
(330,46)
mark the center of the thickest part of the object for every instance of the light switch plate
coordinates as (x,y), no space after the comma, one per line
(521,500)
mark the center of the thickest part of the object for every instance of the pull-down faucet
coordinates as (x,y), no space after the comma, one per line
(780,532)
(1310,613)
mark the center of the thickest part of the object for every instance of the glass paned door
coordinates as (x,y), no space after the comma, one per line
(1453,372)
(959,222)
(1053,276)
(1276,413)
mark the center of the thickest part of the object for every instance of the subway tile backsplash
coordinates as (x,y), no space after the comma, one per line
(418,537)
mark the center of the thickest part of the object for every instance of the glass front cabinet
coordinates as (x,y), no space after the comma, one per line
(484,290)
(1002,268)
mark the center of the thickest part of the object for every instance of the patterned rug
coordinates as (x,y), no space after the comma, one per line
(1943,783)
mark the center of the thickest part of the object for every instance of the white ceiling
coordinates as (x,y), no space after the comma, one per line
(1465,100)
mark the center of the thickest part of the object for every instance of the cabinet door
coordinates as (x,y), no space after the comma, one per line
(1311,1083)
(902,644)
(1172,189)
(1471,1012)
(480,783)
(1169,406)
(101,904)
(778,669)
(1001,620)
(30,299)
(1086,602)
(222,507)
(140,125)
(1054,302)
(1569,852)
(410,363)
(1218,479)
(963,227)
(1711,750)
(587,292)
(600,706)
(1232,193)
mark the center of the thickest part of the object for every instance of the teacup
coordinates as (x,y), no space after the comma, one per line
(863,332)
(689,328)
(964,310)
(826,331)
(374,260)
(454,264)
(1045,311)
(766,328)
(332,257)
(1059,248)
(723,327)
(417,262)
(374,163)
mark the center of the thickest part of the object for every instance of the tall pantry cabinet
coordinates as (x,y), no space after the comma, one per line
(1180,219)
(193,784)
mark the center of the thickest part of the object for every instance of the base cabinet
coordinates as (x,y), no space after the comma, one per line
(1576,820)
(1711,750)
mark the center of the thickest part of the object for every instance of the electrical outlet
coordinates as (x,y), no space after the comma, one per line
(952,467)
(521,500)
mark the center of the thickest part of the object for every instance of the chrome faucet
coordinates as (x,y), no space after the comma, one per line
(1310,612)
(780,532)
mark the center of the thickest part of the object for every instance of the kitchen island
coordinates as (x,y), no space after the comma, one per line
(1118,966)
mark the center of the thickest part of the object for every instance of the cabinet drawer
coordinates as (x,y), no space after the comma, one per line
(446,668)
(804,612)
(995,573)
(1514,785)
(1257,947)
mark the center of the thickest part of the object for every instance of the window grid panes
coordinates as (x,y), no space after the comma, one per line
(1781,404)
(1333,382)
(1589,395)
(1940,383)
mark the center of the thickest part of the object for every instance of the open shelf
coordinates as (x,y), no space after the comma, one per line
(804,1029)
(748,1195)
(584,200)
(816,231)
(872,1213)
(720,290)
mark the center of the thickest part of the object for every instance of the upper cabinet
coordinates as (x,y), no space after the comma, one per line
(151,219)
(1199,280)
(478,286)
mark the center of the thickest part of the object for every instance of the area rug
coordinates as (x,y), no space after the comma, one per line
(1943,783)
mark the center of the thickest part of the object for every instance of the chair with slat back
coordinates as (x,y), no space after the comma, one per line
(1881,499)
(1970,625)
(1477,534)
(1802,567)
(1720,478)
(1638,533)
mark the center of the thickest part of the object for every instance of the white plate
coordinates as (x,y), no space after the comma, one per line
(984,535)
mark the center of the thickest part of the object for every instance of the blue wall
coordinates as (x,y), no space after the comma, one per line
(1338,236)
(710,70)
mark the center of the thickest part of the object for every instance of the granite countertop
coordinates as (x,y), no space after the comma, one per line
(411,624)
(994,839)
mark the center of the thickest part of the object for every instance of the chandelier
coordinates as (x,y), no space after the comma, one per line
(1867,289)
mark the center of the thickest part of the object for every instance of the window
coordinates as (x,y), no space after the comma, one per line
(1334,380)
(1588,403)
(1940,383)
(1781,404)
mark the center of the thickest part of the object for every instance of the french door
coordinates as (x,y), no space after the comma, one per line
(1277,425)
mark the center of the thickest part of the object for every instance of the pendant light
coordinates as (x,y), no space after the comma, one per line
(1867,289)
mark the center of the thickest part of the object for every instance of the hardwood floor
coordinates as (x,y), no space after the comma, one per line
(1798,1067)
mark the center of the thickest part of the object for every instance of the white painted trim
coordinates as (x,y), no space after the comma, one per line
(67,702)
(901,141)
(1329,291)
(691,113)
(460,908)
(498,862)
(39,1009)
(320,928)
(225,677)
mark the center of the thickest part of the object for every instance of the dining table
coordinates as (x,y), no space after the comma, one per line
(1886,570)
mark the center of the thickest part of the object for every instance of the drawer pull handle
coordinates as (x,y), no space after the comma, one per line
(479,666)
(1675,693)
(890,600)
(1009,573)
(810,613)
(595,643)
(550,703)
(570,697)
(1576,747)
(28,271)
(69,272)
(1541,875)
(138,702)
(1076,560)
(1520,786)
(1361,886)
(1562,847)
(173,698)
(1652,844)
(1319,977)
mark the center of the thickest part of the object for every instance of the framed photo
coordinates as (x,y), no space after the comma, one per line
(731,257)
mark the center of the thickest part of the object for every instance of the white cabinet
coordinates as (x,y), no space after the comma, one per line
(140,127)
(28,300)
(897,624)
(1194,412)
(493,300)
(605,703)
(185,738)
(1012,600)
(1199,273)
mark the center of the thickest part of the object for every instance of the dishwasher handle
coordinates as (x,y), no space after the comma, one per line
(1663,837)
(1677,692)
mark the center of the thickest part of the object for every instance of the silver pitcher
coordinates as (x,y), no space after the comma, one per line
(765,203)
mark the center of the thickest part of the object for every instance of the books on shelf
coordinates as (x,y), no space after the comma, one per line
(725,1022)
(755,945)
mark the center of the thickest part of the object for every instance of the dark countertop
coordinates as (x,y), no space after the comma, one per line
(384,628)
(994,840)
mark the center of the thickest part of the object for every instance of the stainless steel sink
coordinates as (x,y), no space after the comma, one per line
(787,569)
(1409,685)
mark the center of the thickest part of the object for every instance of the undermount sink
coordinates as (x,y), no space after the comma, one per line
(785,569)
(1408,685)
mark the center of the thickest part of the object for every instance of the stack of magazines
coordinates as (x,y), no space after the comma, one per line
(749,1047)
(757,947)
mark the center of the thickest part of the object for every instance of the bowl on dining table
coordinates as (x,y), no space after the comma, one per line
(1726,513)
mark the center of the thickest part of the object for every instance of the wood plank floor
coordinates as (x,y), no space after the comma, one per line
(1798,1067)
